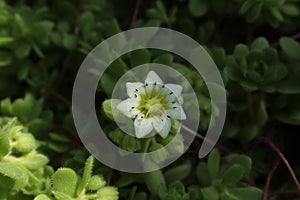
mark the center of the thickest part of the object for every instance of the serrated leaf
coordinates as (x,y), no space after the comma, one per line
(19,177)
(62,196)
(86,175)
(64,181)
(4,144)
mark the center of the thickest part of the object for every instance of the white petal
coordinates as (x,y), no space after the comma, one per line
(152,77)
(176,112)
(134,112)
(159,122)
(124,107)
(176,89)
(166,129)
(142,126)
(133,87)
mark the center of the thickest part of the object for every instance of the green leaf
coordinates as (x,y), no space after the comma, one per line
(86,175)
(130,143)
(70,41)
(210,193)
(14,173)
(64,181)
(202,174)
(198,8)
(260,43)
(25,143)
(95,183)
(240,51)
(254,12)
(165,59)
(34,160)
(247,193)
(109,193)
(274,3)
(232,175)
(246,6)
(4,144)
(5,58)
(290,10)
(178,173)
(248,133)
(213,164)
(62,196)
(126,180)
(109,106)
(291,86)
(275,12)
(290,47)
(155,180)
(139,57)
(6,40)
(22,50)
(241,160)
(42,197)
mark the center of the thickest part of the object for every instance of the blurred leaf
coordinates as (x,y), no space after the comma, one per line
(290,47)
(198,7)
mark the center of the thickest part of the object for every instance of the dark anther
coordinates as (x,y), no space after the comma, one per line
(171,92)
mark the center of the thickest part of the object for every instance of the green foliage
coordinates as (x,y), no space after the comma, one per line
(255,45)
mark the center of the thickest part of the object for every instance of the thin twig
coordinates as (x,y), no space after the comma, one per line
(135,14)
(203,138)
(270,174)
(286,162)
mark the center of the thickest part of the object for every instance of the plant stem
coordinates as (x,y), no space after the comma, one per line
(267,185)
(203,138)
(286,162)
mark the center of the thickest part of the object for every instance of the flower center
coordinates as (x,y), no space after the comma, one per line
(153,103)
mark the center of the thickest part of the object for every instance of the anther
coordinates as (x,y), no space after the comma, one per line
(171,93)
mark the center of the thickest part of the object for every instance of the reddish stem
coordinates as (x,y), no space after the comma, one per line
(270,174)
(286,162)
(135,14)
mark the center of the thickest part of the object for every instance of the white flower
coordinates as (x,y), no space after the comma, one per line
(152,105)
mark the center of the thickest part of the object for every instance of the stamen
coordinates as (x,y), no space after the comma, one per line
(135,95)
(171,93)
(174,107)
(168,116)
(135,116)
(163,86)
(146,84)
(136,90)
(154,83)
(132,107)
(174,102)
